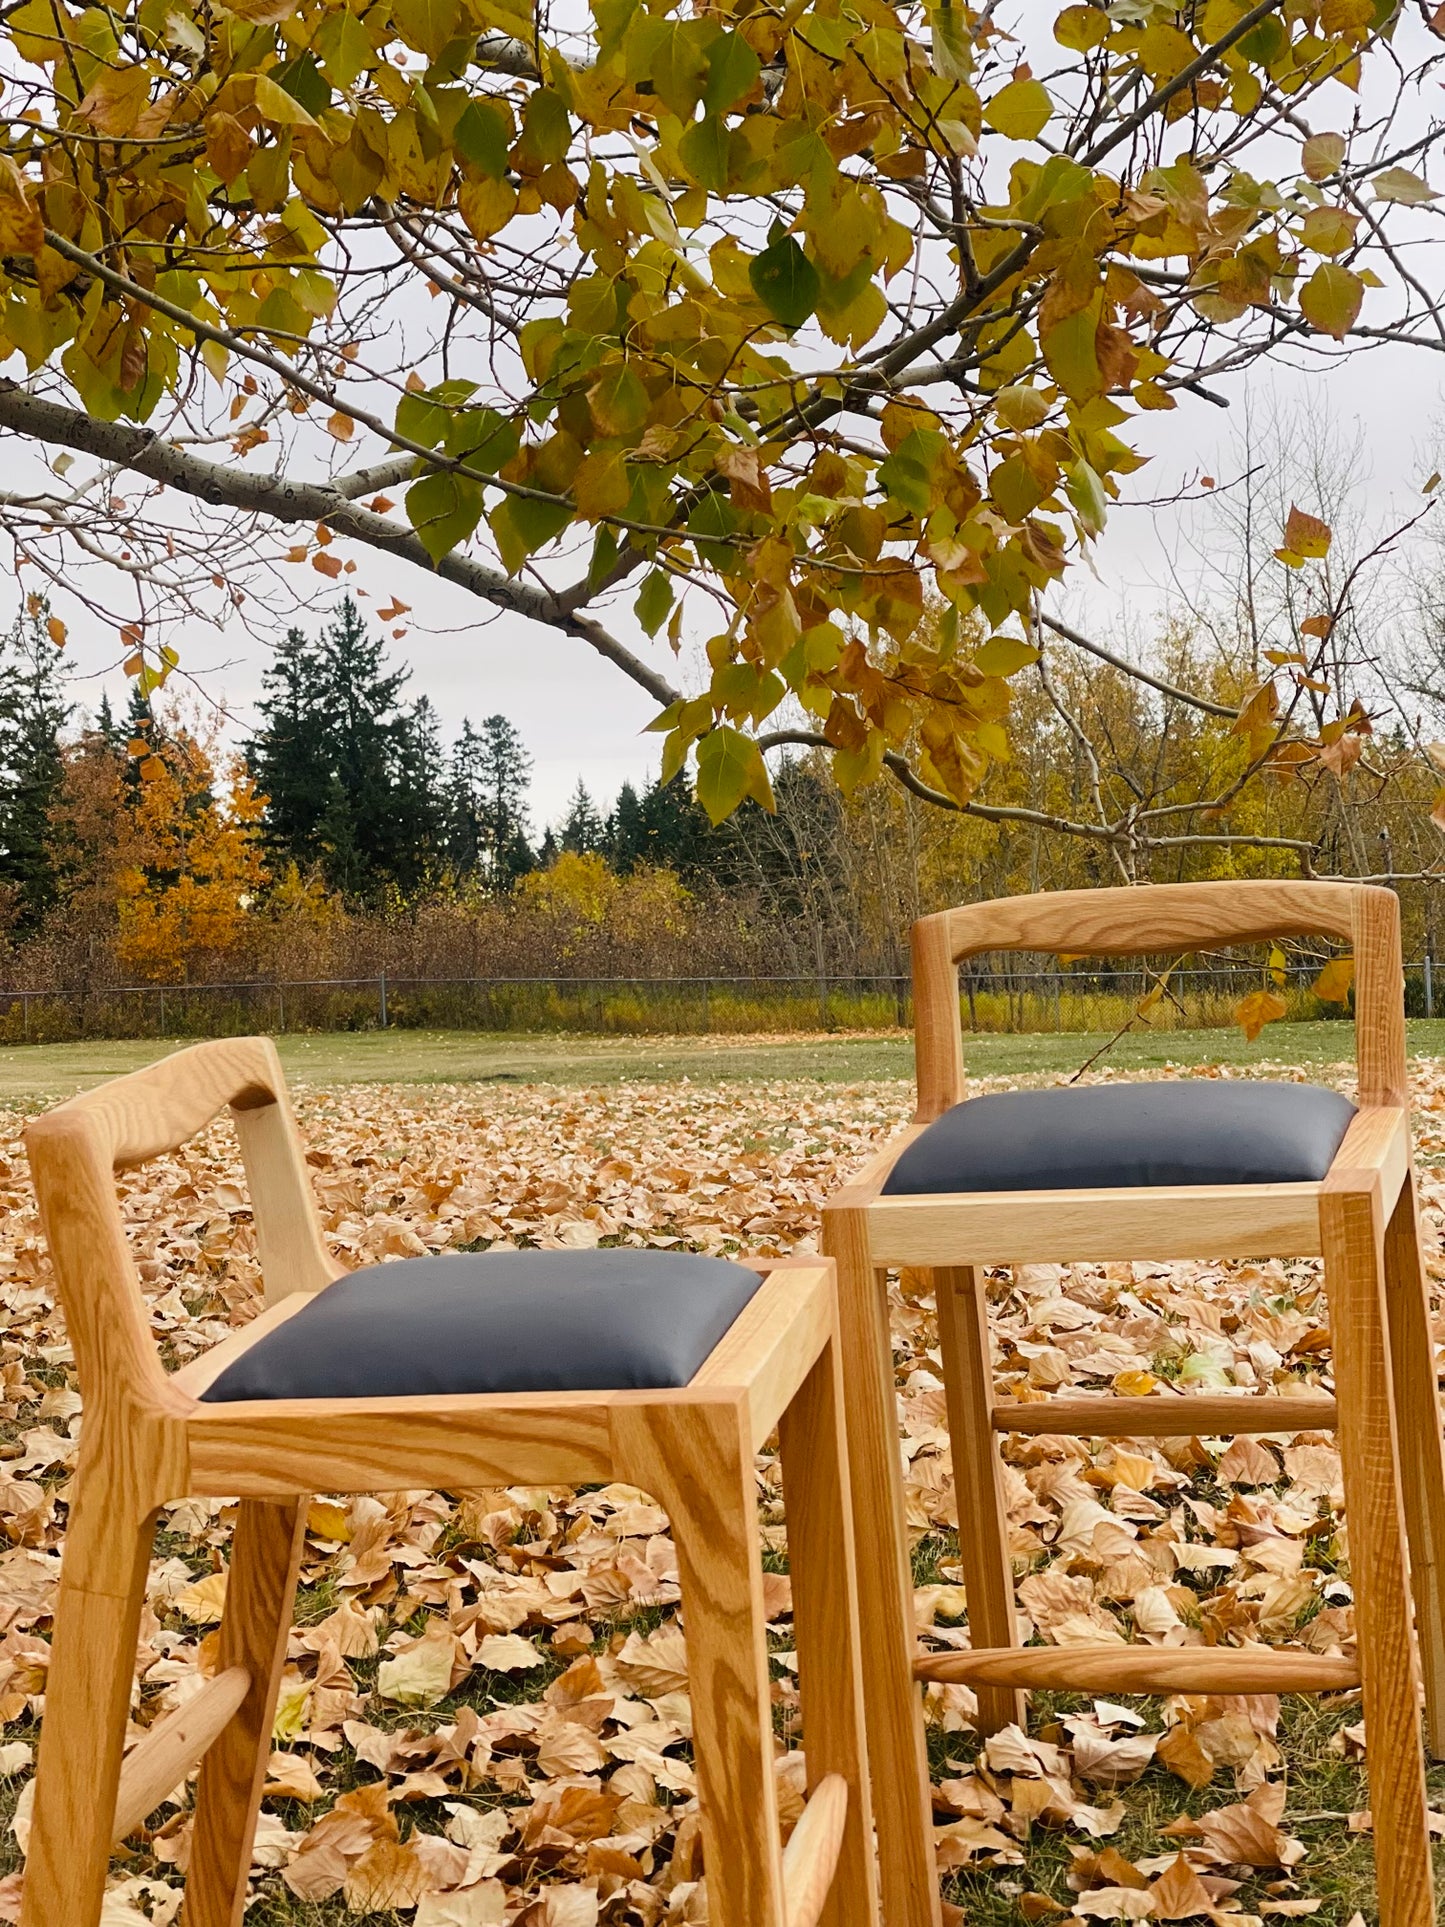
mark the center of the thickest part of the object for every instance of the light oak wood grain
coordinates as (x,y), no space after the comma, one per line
(988,1581)
(157,1766)
(1204,1415)
(902,1800)
(265,1561)
(811,1855)
(1379,1560)
(1056,1227)
(149,1439)
(1422,1457)
(813,1453)
(1142,1669)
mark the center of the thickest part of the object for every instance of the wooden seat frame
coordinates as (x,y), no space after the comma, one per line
(147,1441)
(1362,1218)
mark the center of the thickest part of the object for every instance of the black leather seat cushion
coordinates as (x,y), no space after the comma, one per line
(506,1321)
(1097,1137)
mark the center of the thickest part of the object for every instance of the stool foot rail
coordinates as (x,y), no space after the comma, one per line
(810,1858)
(1142,1669)
(174,1745)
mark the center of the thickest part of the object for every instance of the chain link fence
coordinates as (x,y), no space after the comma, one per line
(1003,994)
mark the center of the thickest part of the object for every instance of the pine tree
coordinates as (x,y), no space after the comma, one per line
(583,829)
(350,775)
(626,830)
(291,758)
(490,776)
(33,712)
(420,798)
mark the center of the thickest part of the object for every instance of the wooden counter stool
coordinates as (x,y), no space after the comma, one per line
(665,1371)
(1217,1168)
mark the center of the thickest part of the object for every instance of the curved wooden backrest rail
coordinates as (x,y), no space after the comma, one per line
(155,1110)
(811,1855)
(1142,1669)
(174,1745)
(1193,1415)
(1159,918)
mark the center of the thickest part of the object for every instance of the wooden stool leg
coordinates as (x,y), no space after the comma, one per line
(814,1455)
(983,1553)
(1354,1278)
(265,1559)
(696,1461)
(1422,1451)
(898,1758)
(87,1700)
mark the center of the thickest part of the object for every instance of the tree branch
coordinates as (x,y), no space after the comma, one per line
(1132,669)
(146,453)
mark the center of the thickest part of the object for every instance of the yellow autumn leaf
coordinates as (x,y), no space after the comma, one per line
(204,1603)
(1259,1008)
(1335,981)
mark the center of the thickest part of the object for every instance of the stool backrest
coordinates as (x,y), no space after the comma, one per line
(1162,917)
(75,1151)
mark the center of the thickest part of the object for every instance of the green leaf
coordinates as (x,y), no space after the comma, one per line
(345,48)
(952,43)
(523,526)
(443,509)
(482,439)
(669,56)
(654,601)
(546,127)
(732,67)
(425,415)
(785,281)
(1330,299)
(618,400)
(1081,28)
(1399,184)
(1086,492)
(304,82)
(483,135)
(710,524)
(907,475)
(1004,656)
(705,150)
(426,25)
(1021,110)
(730,766)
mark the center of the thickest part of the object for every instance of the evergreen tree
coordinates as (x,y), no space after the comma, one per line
(490,776)
(665,827)
(583,828)
(420,797)
(351,777)
(33,712)
(626,831)
(106,727)
(291,758)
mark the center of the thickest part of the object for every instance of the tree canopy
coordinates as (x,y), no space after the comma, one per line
(816,333)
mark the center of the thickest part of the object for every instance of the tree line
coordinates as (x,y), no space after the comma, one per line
(344,836)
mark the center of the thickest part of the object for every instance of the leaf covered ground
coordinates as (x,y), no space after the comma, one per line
(484,1717)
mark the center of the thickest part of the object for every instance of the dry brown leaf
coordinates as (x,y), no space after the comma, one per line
(1178,1893)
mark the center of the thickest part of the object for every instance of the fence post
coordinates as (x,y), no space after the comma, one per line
(163,1012)
(381,980)
(25,1014)
(1429,985)
(822,1002)
(280,1006)
(706,1007)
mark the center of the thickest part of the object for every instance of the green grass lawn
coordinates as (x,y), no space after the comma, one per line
(47,1071)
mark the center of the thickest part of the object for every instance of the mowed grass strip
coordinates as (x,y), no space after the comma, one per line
(41,1073)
